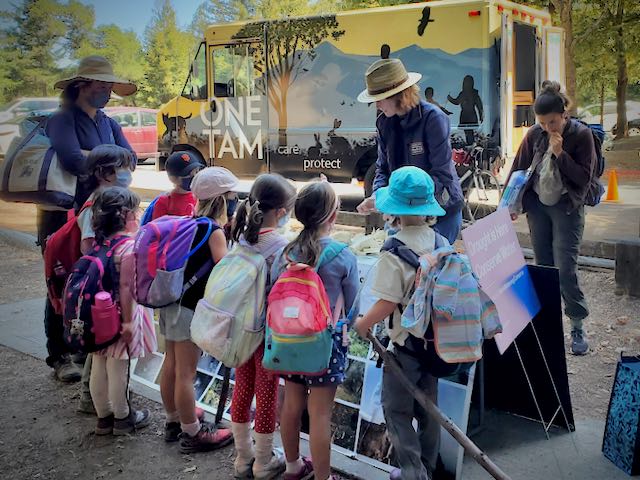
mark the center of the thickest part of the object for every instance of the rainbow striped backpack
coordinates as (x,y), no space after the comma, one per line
(299,320)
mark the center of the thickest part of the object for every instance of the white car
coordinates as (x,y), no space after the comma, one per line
(591,114)
(24,105)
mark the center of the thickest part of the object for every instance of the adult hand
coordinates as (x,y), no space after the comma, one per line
(555,143)
(368,205)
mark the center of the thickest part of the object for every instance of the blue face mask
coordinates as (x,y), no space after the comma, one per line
(99,100)
(231,207)
(123,178)
(185,183)
(282,221)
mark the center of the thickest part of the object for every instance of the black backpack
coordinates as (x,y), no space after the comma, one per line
(91,274)
(596,189)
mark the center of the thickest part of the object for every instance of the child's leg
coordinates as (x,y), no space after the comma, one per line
(295,400)
(398,404)
(266,404)
(118,384)
(168,381)
(187,355)
(428,428)
(99,386)
(241,415)
(320,408)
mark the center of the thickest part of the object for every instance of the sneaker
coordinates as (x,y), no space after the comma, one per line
(66,371)
(85,405)
(172,430)
(276,466)
(136,420)
(305,473)
(243,470)
(208,438)
(105,425)
(579,345)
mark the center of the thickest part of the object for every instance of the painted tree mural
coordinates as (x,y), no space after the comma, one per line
(290,46)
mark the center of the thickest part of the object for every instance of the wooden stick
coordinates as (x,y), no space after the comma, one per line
(466,443)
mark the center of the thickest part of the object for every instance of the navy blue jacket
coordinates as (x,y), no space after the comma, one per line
(421,139)
(71,130)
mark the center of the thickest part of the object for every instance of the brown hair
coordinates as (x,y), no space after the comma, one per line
(314,206)
(109,211)
(408,98)
(551,99)
(270,191)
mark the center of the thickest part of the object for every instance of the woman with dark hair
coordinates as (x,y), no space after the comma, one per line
(77,128)
(563,156)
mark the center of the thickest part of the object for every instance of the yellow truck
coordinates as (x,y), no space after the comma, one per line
(280,95)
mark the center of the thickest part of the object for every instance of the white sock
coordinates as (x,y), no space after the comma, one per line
(264,448)
(295,467)
(191,429)
(172,417)
(242,441)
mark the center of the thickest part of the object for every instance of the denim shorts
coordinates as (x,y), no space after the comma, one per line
(175,323)
(337,366)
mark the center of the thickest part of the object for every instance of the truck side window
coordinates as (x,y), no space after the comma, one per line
(233,71)
(196,86)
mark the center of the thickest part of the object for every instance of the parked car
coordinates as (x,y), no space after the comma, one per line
(591,114)
(24,105)
(19,126)
(139,127)
(634,127)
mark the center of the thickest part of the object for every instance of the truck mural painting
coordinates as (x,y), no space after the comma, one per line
(279,95)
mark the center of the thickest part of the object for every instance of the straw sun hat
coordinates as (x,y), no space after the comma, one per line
(385,78)
(98,68)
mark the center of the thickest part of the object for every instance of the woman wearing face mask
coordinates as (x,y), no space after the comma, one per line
(564,158)
(76,129)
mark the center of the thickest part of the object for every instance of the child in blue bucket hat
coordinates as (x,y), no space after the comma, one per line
(410,198)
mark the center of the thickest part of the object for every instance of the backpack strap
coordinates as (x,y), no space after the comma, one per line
(400,250)
(329,253)
(209,222)
(208,265)
(148,213)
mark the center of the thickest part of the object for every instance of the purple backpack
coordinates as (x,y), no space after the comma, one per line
(161,252)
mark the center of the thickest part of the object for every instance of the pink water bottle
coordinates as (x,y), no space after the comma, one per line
(105,317)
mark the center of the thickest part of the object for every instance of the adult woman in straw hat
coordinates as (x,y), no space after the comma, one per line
(74,130)
(412,132)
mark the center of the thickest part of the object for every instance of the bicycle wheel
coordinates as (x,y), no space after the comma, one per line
(482,196)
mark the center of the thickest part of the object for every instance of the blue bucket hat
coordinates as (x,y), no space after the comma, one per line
(410,192)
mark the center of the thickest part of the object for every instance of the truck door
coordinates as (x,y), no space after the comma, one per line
(239,115)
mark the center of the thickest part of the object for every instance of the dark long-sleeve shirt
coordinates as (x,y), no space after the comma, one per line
(421,139)
(71,130)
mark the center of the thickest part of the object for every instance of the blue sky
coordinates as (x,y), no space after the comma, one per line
(130,14)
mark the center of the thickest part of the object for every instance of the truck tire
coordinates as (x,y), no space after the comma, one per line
(368,180)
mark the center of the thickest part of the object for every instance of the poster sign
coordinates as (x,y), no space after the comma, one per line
(496,257)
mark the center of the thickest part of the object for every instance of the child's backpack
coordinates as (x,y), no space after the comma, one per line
(91,317)
(62,251)
(161,251)
(299,322)
(228,322)
(147,216)
(596,189)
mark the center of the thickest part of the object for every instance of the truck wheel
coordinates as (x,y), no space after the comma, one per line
(368,180)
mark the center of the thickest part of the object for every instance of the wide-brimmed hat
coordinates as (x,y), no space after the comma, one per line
(98,68)
(410,192)
(385,78)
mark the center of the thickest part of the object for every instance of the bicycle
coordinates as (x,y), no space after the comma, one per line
(480,185)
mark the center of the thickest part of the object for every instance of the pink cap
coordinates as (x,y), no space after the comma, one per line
(212,182)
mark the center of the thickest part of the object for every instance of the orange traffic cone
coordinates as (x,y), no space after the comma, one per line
(612,188)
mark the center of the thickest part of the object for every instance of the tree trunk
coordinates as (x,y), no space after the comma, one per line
(282,119)
(566,21)
(602,101)
(622,127)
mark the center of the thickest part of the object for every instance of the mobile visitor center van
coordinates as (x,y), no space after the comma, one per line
(280,95)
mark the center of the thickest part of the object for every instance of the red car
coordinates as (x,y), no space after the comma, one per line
(139,127)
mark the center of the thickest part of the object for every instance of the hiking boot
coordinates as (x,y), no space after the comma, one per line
(579,345)
(78,358)
(85,404)
(276,466)
(105,425)
(305,473)
(208,438)
(66,371)
(136,420)
(172,430)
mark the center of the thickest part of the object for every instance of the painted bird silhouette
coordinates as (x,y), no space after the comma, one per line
(425,20)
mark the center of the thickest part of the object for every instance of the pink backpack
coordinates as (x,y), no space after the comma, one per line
(161,251)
